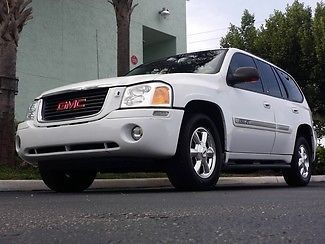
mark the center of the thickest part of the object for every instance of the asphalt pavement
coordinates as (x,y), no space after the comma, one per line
(233,213)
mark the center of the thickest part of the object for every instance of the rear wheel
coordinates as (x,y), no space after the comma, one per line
(67,181)
(199,154)
(300,172)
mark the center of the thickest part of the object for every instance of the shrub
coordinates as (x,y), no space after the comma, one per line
(320,160)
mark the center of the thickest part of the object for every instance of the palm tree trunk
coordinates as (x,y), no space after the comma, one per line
(123,12)
(8,57)
(14,14)
(8,90)
(7,117)
(123,45)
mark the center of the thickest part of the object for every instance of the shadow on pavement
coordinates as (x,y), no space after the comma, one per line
(223,188)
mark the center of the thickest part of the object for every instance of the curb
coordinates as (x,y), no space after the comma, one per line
(38,185)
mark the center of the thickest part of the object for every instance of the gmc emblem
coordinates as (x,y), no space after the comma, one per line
(71,104)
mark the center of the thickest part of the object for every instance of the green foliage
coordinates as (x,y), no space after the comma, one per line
(19,173)
(320,160)
(243,37)
(293,40)
(319,36)
(233,38)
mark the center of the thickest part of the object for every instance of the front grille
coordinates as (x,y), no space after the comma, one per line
(72,105)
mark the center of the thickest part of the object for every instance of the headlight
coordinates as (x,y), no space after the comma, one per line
(31,111)
(156,94)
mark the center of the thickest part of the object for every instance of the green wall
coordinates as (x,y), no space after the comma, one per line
(158,50)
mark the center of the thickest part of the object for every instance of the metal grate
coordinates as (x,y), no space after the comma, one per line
(72,105)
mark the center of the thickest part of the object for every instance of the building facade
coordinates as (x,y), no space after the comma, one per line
(75,40)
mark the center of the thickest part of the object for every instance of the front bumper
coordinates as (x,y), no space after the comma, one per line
(107,137)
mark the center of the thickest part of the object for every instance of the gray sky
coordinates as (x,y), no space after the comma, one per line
(208,20)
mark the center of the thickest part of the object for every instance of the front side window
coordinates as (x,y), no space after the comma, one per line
(205,62)
(268,78)
(290,85)
(241,60)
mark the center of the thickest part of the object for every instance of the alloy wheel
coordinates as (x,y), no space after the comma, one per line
(303,161)
(203,152)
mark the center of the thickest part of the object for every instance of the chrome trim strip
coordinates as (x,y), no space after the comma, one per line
(285,128)
(247,122)
(255,124)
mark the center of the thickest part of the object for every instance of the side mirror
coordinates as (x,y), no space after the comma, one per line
(245,74)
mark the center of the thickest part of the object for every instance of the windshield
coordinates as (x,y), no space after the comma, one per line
(205,62)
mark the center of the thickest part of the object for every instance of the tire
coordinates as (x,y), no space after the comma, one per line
(198,159)
(67,181)
(300,172)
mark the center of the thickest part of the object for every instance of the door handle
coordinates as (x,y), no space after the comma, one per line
(267,105)
(295,110)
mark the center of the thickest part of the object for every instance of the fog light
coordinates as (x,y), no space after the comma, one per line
(137,133)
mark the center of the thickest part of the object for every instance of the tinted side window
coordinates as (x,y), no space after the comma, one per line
(291,87)
(242,60)
(268,78)
(283,90)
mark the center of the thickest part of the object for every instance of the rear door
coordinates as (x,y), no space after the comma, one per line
(288,114)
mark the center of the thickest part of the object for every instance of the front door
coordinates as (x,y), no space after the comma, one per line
(253,122)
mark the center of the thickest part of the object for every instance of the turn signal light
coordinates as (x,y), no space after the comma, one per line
(161,95)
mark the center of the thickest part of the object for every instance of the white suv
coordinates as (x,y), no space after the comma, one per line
(189,115)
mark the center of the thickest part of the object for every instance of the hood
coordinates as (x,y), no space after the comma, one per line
(109,82)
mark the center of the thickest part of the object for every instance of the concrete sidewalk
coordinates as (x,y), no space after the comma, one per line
(38,185)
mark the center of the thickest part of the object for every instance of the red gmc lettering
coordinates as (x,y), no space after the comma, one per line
(72,104)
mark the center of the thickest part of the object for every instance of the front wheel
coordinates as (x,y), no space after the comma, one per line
(199,154)
(67,181)
(300,172)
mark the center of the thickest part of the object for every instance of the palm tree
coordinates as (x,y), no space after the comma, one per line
(13,16)
(123,12)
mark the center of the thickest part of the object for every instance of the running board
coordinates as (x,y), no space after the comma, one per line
(256,166)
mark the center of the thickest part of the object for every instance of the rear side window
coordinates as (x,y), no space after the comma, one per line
(241,60)
(269,80)
(283,90)
(290,85)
